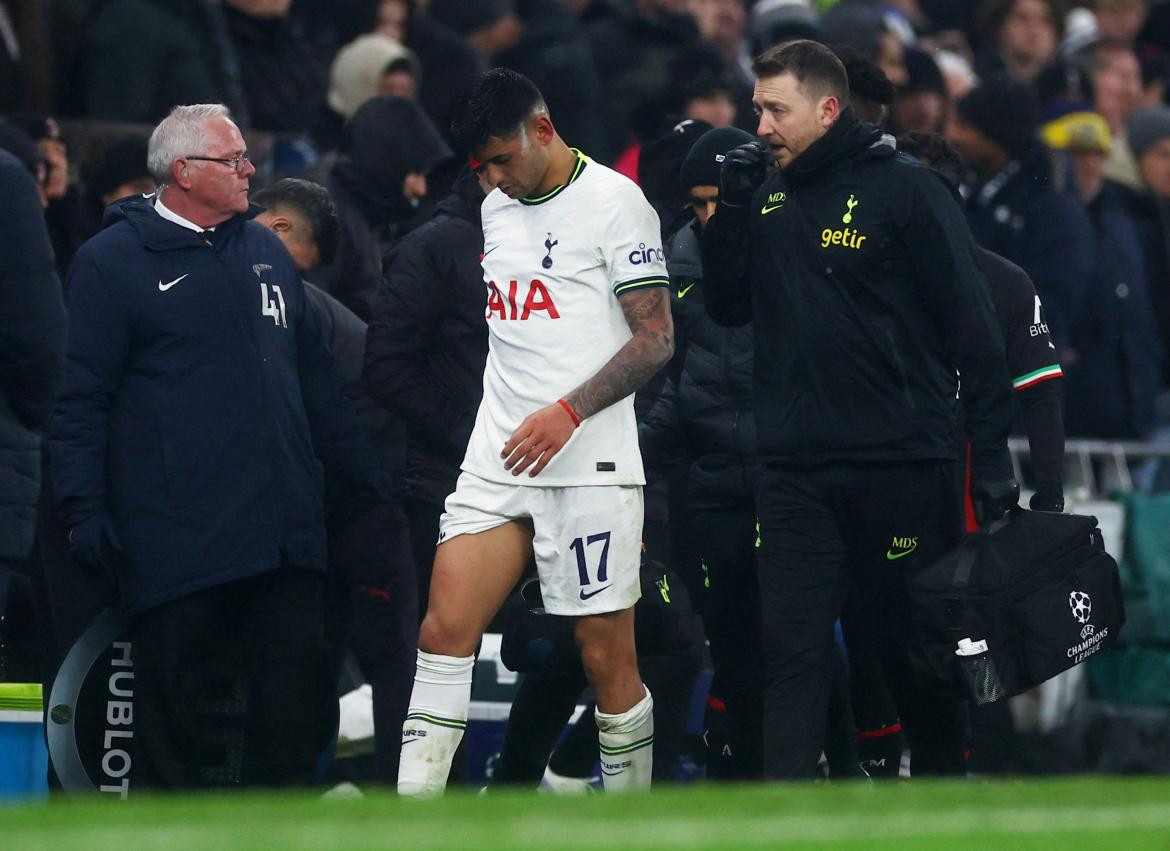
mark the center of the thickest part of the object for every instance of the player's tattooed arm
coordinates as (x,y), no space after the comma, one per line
(545,432)
(648,315)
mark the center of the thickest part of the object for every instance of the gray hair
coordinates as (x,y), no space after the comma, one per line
(180,134)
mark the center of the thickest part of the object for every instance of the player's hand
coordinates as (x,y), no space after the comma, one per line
(743,170)
(536,440)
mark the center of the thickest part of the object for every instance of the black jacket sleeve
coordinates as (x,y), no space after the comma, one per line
(1044,424)
(1035,370)
(955,293)
(414,296)
(660,435)
(96,354)
(337,436)
(32,312)
(726,265)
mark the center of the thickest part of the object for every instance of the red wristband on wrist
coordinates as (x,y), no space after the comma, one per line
(569,410)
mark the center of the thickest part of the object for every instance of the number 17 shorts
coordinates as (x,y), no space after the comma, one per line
(587,539)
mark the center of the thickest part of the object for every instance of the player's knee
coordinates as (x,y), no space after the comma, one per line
(445,636)
(595,661)
(607,661)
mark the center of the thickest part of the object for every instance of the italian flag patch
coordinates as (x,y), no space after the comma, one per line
(1036,376)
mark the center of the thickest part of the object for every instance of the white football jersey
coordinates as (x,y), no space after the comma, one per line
(554,267)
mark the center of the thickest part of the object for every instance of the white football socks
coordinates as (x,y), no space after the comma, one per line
(435,723)
(627,746)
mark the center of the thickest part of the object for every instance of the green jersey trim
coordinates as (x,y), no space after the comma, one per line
(582,161)
(640,284)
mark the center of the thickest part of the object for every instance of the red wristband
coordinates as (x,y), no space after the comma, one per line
(569,410)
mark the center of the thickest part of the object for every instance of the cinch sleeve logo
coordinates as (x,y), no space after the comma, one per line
(642,254)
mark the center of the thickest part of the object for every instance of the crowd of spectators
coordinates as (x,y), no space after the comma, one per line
(1058,109)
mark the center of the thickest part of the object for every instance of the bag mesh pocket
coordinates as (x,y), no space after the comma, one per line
(981,675)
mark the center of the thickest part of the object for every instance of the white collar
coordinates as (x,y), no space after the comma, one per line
(171,216)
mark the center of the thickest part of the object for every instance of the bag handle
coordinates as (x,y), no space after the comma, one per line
(967,556)
(969,551)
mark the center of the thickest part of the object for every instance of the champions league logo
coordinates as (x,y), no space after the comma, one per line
(1081,606)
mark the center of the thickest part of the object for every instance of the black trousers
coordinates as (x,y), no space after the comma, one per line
(423,520)
(823,530)
(728,597)
(226,685)
(372,612)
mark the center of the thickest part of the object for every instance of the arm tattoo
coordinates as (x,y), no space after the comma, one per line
(648,315)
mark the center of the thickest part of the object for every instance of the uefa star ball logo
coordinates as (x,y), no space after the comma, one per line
(1081,606)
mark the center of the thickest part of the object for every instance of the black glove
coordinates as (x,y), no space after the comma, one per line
(993,499)
(93,543)
(1045,500)
(743,170)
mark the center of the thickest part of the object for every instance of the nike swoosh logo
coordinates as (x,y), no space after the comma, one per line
(766,209)
(685,290)
(162,288)
(892,555)
(406,742)
(585,596)
(610,773)
(489,251)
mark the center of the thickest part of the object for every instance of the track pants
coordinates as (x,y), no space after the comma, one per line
(226,685)
(822,529)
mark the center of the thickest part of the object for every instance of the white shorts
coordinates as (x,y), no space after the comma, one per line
(587,541)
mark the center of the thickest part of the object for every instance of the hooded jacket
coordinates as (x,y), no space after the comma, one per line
(387,139)
(1151,214)
(704,416)
(32,339)
(427,343)
(1113,380)
(857,270)
(197,385)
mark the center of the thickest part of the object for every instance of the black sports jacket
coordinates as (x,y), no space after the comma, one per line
(857,270)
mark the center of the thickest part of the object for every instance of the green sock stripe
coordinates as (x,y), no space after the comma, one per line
(638,745)
(453,723)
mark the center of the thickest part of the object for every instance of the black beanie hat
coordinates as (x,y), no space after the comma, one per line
(922,73)
(705,160)
(661,159)
(1002,110)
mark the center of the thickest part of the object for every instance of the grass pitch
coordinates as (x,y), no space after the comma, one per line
(1090,812)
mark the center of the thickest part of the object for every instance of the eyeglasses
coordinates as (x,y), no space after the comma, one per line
(237,163)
